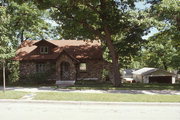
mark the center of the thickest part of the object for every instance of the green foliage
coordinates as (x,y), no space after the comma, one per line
(6,50)
(36,78)
(13,70)
(168,11)
(18,23)
(161,53)
(162,50)
(27,22)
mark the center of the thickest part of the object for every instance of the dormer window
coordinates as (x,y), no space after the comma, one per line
(44,49)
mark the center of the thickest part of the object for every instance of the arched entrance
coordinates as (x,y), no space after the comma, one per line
(65,71)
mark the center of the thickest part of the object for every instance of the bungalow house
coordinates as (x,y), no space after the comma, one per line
(153,75)
(71,60)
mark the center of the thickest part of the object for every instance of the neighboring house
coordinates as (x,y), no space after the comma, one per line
(153,75)
(177,73)
(127,75)
(71,60)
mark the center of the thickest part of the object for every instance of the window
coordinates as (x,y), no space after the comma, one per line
(40,67)
(43,49)
(82,67)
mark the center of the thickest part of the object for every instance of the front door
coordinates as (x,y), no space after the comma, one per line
(65,71)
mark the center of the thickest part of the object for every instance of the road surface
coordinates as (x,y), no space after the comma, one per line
(61,111)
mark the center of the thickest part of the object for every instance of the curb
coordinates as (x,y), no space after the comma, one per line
(89,102)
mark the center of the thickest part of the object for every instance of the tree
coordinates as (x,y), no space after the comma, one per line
(100,20)
(160,52)
(164,47)
(6,51)
(18,23)
(27,21)
(168,11)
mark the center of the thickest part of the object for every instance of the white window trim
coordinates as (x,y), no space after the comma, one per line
(83,70)
(43,49)
(40,67)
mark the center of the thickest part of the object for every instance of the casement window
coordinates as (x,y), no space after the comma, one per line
(82,67)
(40,67)
(44,49)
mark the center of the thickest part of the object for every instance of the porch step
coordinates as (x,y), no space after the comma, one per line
(65,83)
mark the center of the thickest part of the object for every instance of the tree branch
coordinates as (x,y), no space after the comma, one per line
(86,25)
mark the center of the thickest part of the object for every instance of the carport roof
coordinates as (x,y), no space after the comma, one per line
(144,71)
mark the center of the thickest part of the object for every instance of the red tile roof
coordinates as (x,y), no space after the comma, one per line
(78,49)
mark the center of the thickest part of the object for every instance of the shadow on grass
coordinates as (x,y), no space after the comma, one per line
(125,86)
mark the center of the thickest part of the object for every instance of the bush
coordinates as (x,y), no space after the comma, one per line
(37,78)
(13,71)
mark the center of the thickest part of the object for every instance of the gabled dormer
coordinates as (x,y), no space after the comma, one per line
(44,47)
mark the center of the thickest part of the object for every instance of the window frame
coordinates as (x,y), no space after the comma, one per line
(41,67)
(44,49)
(80,67)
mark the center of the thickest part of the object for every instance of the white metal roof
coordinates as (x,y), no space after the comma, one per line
(144,71)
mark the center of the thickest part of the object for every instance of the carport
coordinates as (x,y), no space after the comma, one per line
(160,79)
(153,75)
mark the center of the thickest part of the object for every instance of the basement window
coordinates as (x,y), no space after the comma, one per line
(44,49)
(40,67)
(82,67)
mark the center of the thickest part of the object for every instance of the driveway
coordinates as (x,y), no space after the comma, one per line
(50,89)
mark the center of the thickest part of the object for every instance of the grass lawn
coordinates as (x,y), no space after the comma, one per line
(11,95)
(106,97)
(125,86)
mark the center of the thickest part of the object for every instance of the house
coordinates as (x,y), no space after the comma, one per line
(127,75)
(177,73)
(71,60)
(153,75)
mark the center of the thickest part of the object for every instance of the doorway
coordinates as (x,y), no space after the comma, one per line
(65,71)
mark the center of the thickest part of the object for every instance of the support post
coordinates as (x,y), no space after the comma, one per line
(4,77)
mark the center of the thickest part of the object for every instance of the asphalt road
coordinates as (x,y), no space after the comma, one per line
(59,111)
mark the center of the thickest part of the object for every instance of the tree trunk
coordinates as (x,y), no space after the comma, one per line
(115,70)
(22,36)
(165,66)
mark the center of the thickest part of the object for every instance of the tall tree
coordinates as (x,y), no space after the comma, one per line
(168,11)
(27,21)
(166,44)
(6,51)
(100,20)
(160,52)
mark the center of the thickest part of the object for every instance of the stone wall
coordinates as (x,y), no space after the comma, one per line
(72,72)
(27,68)
(94,69)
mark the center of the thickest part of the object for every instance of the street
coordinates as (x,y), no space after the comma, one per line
(61,111)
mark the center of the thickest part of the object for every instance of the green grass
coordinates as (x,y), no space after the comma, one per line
(11,95)
(125,86)
(109,97)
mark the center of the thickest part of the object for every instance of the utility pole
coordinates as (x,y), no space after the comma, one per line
(4,77)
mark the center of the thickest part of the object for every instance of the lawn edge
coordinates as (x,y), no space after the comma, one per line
(90,102)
